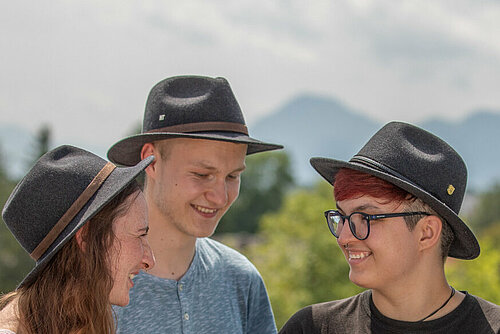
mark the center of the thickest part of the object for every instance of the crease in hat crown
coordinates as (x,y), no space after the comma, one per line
(64,189)
(195,107)
(420,163)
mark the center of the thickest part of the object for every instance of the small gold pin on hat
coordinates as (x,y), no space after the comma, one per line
(162,117)
(450,189)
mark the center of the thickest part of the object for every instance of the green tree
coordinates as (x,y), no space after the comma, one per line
(481,276)
(41,145)
(297,256)
(14,261)
(43,140)
(487,210)
(264,184)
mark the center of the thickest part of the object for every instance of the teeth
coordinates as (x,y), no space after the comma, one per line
(357,256)
(204,210)
(131,276)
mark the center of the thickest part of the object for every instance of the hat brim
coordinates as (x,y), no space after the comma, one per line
(118,180)
(464,246)
(127,151)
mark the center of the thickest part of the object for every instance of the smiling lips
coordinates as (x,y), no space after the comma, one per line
(204,210)
(358,255)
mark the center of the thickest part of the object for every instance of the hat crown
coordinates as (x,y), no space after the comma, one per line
(51,186)
(190,99)
(420,157)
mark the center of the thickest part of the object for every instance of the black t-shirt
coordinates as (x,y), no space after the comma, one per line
(358,314)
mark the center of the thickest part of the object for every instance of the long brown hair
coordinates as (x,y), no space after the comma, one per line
(71,294)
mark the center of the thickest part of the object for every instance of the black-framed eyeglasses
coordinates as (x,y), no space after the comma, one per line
(359,222)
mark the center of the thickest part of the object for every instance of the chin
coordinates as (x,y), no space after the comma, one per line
(121,303)
(204,232)
(359,281)
(119,300)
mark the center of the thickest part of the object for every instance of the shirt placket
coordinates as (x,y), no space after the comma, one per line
(184,300)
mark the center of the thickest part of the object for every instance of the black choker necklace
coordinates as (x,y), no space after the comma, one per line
(445,303)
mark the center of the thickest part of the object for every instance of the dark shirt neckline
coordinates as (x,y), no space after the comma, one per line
(442,322)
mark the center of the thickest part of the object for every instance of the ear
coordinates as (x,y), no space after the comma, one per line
(430,232)
(79,239)
(147,150)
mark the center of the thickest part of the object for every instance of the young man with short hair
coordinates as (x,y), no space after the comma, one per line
(396,222)
(195,129)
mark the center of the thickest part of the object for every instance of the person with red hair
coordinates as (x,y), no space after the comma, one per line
(396,222)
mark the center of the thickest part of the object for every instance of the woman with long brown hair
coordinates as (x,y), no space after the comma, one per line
(84,222)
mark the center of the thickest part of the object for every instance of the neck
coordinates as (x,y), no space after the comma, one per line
(416,300)
(174,251)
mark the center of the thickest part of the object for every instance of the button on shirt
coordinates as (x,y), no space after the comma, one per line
(222,292)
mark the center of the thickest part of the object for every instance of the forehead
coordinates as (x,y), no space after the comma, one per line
(369,204)
(189,148)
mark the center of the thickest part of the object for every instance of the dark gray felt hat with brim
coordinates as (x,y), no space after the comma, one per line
(65,188)
(420,163)
(189,107)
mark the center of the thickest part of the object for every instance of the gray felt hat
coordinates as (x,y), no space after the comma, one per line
(189,107)
(65,188)
(423,165)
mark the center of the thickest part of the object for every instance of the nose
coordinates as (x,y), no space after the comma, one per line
(217,193)
(345,235)
(148,257)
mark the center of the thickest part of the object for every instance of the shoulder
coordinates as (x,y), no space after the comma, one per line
(8,318)
(490,310)
(215,254)
(487,305)
(340,308)
(314,318)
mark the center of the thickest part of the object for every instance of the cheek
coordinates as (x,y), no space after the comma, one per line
(233,190)
(130,254)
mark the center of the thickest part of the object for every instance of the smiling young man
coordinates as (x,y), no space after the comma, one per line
(396,222)
(195,129)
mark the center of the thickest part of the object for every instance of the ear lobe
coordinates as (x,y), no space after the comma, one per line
(430,228)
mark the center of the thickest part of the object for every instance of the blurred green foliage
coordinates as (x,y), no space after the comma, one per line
(292,248)
(298,257)
(487,211)
(481,276)
(301,263)
(14,261)
(266,180)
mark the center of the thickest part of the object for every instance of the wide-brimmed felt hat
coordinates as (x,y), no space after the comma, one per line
(420,163)
(189,107)
(65,188)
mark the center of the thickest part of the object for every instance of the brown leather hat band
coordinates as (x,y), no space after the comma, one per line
(204,126)
(77,205)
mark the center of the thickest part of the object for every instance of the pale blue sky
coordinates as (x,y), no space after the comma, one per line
(89,64)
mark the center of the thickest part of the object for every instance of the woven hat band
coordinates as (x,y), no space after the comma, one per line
(204,126)
(73,210)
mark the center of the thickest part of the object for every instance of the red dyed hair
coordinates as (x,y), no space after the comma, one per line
(350,183)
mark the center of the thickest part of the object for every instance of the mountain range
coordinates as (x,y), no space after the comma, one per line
(315,126)
(318,126)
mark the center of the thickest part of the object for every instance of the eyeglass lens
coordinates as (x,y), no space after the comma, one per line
(358,224)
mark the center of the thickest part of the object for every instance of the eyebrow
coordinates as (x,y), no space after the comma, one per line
(361,207)
(211,168)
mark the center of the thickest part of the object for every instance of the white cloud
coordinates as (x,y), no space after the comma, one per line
(90,64)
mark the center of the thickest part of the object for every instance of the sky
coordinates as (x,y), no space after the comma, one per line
(85,67)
